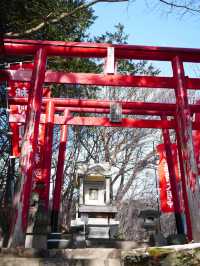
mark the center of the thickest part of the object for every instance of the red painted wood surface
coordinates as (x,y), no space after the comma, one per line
(104,121)
(184,127)
(100,79)
(28,151)
(184,187)
(75,49)
(85,103)
(93,79)
(59,173)
(107,111)
(88,103)
(46,174)
(58,120)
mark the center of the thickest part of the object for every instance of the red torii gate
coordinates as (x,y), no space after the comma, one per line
(181,111)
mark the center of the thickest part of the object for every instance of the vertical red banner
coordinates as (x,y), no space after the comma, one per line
(166,200)
(22,89)
(18,89)
(38,180)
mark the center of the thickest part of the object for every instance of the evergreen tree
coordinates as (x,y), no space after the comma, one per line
(21,15)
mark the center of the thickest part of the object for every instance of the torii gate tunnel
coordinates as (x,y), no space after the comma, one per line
(43,110)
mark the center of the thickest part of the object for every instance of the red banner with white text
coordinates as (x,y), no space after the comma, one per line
(166,200)
(22,89)
(19,89)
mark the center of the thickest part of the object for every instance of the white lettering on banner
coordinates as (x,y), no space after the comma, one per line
(168,186)
(21,134)
(21,92)
(169,196)
(21,110)
(37,158)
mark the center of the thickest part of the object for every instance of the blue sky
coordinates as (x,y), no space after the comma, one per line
(148,26)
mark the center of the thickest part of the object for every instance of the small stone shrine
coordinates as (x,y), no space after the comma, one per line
(95,212)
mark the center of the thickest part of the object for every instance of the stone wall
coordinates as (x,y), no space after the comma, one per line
(180,255)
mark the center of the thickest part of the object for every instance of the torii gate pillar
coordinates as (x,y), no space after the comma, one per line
(184,128)
(28,150)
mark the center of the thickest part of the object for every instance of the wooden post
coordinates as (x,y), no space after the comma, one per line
(184,190)
(28,150)
(59,175)
(184,127)
(49,125)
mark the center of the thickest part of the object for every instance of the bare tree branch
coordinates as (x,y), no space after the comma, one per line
(57,18)
(174,4)
(140,166)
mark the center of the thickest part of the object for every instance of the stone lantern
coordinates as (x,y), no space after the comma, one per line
(150,219)
(151,225)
